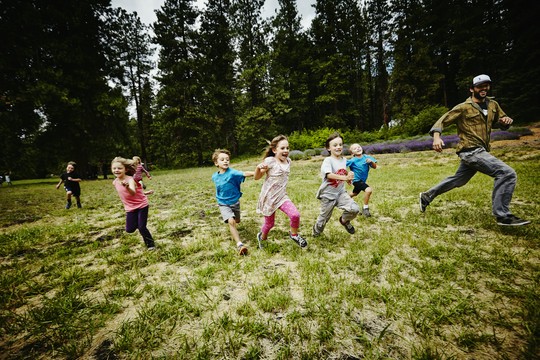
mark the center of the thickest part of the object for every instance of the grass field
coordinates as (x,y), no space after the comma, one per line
(446,284)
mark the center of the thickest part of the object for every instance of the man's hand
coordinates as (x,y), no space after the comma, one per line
(438,143)
(506,120)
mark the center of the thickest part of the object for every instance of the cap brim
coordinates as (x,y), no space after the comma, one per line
(482,82)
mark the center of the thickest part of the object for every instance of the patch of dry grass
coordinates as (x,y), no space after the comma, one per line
(448,283)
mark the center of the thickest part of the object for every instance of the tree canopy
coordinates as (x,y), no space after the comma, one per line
(81,80)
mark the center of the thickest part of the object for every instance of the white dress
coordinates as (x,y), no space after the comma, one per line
(274,190)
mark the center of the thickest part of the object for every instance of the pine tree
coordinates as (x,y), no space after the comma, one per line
(255,122)
(178,124)
(129,47)
(414,78)
(216,64)
(289,70)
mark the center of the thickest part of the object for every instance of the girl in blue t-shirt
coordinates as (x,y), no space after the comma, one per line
(227,181)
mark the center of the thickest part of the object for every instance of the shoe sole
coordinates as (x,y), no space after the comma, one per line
(514,224)
(243,251)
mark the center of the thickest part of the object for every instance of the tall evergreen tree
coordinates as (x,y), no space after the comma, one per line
(216,64)
(379,20)
(130,52)
(518,77)
(254,120)
(331,93)
(289,69)
(414,78)
(178,125)
(58,102)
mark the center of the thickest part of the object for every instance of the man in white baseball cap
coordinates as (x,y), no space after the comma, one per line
(475,117)
(481,79)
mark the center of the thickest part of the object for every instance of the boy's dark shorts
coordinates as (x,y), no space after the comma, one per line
(359,186)
(74,191)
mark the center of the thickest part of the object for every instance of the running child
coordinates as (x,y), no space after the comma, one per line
(332,191)
(134,199)
(227,181)
(139,169)
(71,180)
(360,164)
(277,167)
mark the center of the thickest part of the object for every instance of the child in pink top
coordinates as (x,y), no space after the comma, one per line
(139,170)
(133,197)
(277,166)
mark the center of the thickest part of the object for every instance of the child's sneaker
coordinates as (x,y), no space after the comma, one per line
(242,249)
(366,212)
(298,239)
(260,239)
(79,205)
(347,226)
(68,204)
(151,248)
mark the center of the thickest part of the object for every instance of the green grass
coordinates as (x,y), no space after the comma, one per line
(446,284)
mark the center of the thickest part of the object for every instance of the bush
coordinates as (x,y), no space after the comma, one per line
(298,155)
(310,152)
(422,123)
(309,139)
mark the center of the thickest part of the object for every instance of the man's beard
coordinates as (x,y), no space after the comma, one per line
(478,96)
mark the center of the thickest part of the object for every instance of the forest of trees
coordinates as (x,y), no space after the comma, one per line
(227,77)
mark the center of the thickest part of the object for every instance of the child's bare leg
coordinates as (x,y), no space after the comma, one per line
(352,194)
(367,195)
(234,231)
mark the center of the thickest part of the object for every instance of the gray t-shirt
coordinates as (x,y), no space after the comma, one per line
(330,188)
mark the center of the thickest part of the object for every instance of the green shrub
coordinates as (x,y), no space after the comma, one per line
(310,152)
(298,155)
(422,123)
(309,139)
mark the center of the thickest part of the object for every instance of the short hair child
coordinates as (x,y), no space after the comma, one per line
(360,164)
(332,191)
(71,180)
(227,181)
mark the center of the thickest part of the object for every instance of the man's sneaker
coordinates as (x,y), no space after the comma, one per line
(347,226)
(68,204)
(366,212)
(298,239)
(260,240)
(423,202)
(79,205)
(511,220)
(242,249)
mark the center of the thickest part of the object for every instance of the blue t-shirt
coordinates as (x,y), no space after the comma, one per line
(228,186)
(360,167)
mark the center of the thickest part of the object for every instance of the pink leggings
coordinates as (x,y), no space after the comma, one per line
(289,209)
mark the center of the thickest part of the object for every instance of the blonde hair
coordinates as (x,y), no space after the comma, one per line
(137,160)
(128,164)
(219,151)
(269,150)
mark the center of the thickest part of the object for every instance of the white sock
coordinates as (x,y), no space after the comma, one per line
(366,206)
